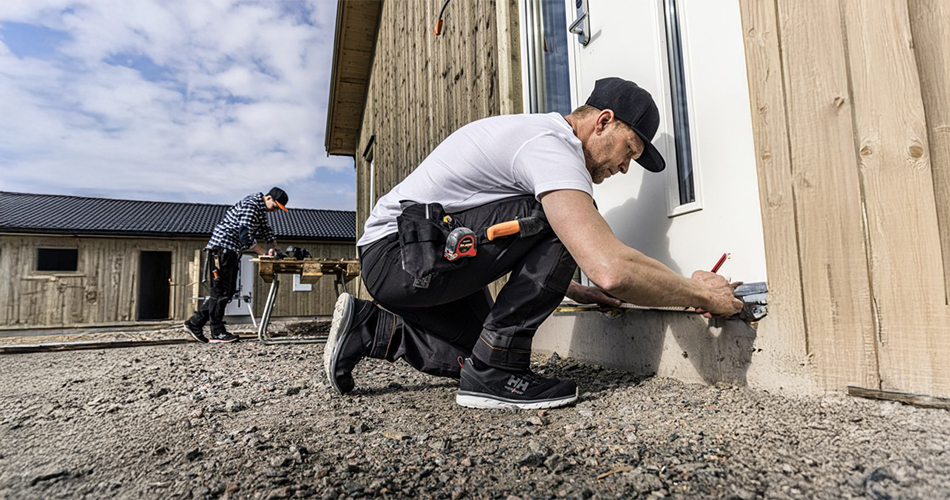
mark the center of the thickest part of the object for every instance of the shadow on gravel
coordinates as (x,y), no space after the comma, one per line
(395,387)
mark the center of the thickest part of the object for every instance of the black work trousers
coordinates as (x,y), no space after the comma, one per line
(455,315)
(222,288)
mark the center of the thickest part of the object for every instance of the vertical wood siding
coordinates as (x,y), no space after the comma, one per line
(929,21)
(856,103)
(423,87)
(104,289)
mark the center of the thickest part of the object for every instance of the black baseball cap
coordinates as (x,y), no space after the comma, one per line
(635,107)
(279,196)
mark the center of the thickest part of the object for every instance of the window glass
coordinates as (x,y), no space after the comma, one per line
(684,156)
(549,80)
(57,259)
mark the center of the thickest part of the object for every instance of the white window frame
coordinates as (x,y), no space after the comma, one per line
(674,207)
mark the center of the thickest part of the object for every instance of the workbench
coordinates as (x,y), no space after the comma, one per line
(310,271)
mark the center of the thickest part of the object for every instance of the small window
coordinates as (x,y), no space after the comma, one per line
(57,259)
(548,70)
(684,153)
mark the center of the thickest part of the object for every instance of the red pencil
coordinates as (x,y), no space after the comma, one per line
(714,269)
(719,264)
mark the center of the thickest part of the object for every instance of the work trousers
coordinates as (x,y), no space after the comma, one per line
(454,315)
(222,288)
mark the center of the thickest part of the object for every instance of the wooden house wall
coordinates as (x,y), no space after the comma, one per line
(104,289)
(319,301)
(851,118)
(423,87)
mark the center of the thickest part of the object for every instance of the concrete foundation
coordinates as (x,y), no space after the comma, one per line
(680,345)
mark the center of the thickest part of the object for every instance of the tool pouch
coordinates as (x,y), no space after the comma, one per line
(422,232)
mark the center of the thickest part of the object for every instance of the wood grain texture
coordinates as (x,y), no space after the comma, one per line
(929,20)
(786,322)
(827,190)
(906,268)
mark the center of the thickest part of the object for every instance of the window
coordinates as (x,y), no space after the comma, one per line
(684,155)
(548,67)
(57,259)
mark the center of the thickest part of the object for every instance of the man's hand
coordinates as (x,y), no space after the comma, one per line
(722,301)
(591,295)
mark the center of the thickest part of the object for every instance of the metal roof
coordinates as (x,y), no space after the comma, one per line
(58,214)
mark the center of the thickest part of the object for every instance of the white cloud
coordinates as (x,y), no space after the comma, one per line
(191,101)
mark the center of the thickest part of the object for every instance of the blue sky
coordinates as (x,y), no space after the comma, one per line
(202,101)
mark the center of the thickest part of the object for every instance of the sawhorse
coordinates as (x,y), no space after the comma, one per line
(310,271)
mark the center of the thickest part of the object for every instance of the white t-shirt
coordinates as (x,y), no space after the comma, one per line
(489,160)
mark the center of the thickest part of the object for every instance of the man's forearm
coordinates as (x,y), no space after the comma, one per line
(645,281)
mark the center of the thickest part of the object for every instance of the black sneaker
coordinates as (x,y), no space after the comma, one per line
(220,335)
(348,342)
(486,387)
(196,332)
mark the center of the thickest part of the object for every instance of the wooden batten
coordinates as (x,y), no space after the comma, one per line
(898,192)
(773,159)
(931,43)
(832,249)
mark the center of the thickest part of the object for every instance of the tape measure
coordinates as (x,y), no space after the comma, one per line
(460,244)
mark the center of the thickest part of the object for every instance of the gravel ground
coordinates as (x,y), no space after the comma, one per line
(254,421)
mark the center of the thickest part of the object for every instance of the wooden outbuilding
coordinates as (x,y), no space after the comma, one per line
(74,261)
(810,140)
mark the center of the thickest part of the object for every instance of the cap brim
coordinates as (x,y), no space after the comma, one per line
(281,206)
(650,159)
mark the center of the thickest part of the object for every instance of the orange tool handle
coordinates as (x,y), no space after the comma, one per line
(438,27)
(503,229)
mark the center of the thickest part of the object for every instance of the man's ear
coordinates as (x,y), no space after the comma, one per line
(605,117)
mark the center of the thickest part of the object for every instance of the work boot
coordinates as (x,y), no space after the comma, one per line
(196,332)
(220,335)
(483,386)
(350,339)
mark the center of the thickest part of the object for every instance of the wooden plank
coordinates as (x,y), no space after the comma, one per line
(509,56)
(786,323)
(906,268)
(836,290)
(928,21)
(921,400)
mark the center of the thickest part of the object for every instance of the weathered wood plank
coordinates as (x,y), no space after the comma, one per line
(906,268)
(837,296)
(921,400)
(929,20)
(777,201)
(509,56)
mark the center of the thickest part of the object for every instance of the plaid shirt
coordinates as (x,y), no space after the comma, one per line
(249,213)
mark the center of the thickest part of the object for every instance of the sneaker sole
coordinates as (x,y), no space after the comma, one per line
(479,400)
(203,340)
(220,341)
(342,316)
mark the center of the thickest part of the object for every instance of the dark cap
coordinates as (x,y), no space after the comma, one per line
(635,107)
(279,196)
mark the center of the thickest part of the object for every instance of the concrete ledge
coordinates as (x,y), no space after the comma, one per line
(679,345)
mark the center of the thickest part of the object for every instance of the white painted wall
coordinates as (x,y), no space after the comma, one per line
(628,40)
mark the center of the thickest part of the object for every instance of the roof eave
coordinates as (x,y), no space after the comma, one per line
(335,141)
